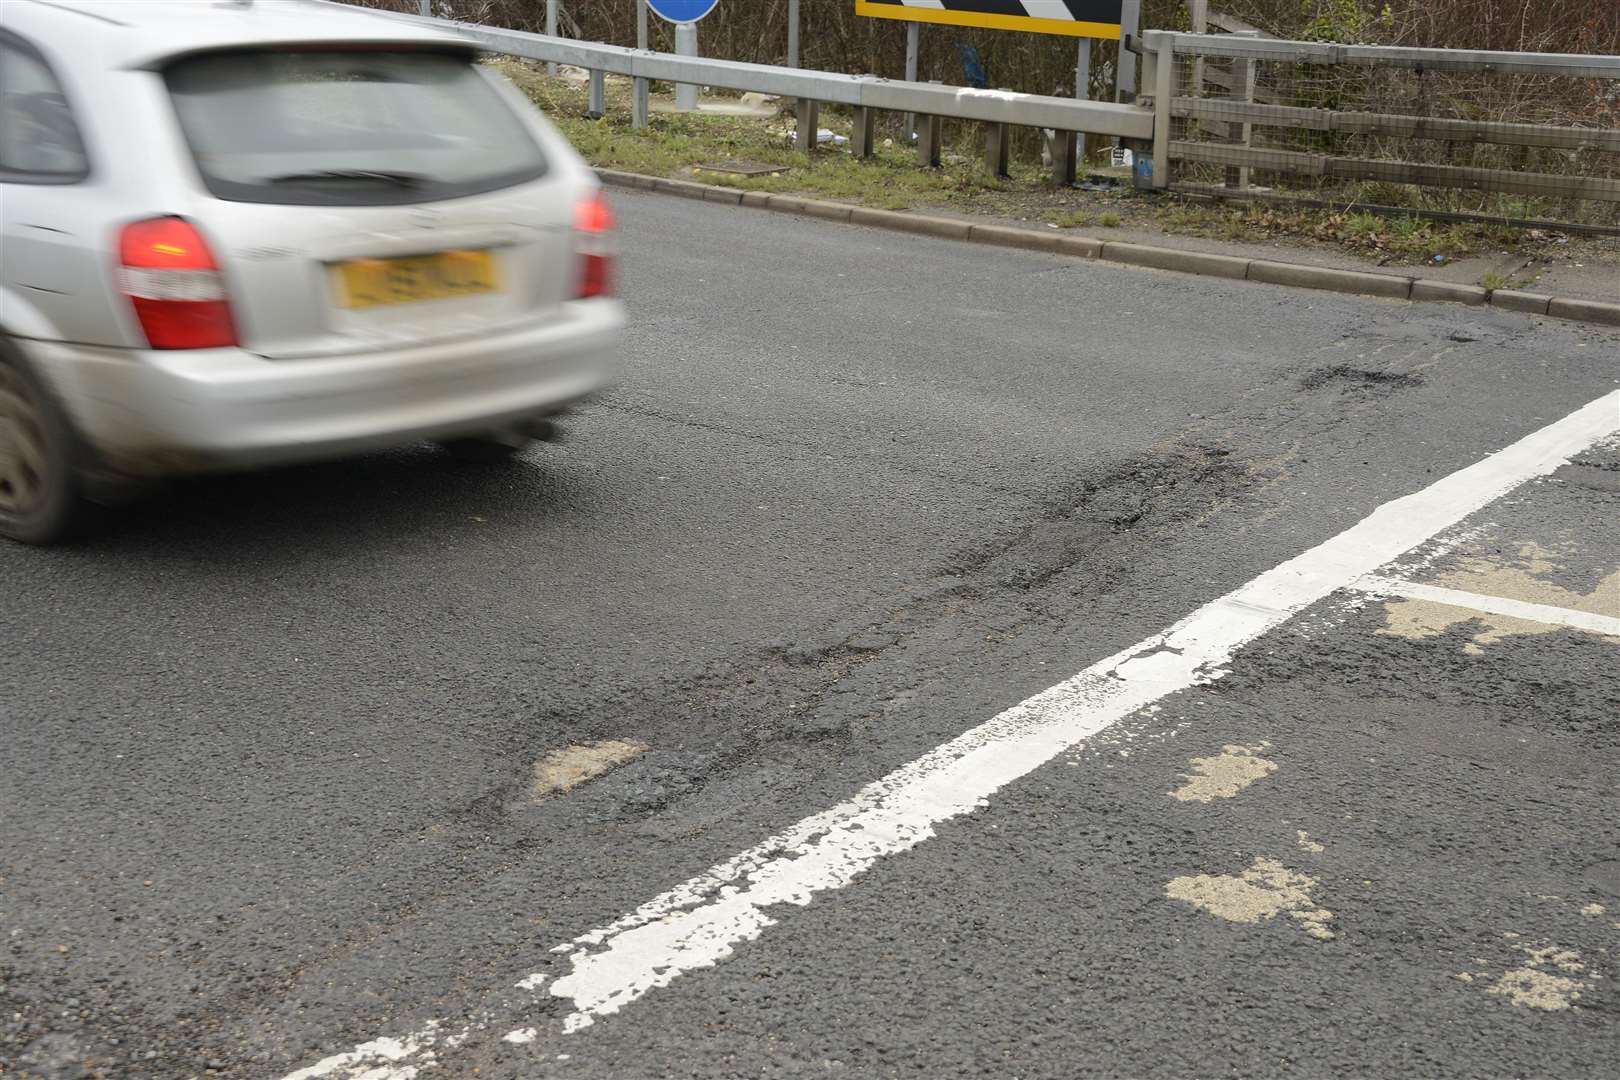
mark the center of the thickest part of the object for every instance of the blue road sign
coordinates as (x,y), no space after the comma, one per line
(681,11)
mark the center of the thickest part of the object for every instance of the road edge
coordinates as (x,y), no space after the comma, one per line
(1209,264)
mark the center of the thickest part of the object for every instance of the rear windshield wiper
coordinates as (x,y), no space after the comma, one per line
(398,179)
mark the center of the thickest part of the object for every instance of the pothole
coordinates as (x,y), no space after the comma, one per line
(563,770)
(1169,488)
(1363,381)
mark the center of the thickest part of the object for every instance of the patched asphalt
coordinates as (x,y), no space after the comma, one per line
(271,742)
(1448,817)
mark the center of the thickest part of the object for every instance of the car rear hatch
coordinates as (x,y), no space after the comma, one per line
(371,197)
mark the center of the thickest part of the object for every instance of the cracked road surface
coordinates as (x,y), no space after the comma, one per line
(311,772)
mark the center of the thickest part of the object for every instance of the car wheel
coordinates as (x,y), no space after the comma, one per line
(486,450)
(40,502)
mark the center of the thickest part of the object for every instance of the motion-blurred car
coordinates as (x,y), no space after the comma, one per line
(238,234)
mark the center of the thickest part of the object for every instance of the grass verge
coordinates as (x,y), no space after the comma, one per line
(681,145)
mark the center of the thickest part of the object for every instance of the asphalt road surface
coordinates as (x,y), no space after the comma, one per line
(718,742)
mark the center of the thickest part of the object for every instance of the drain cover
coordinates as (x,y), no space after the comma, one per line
(742,168)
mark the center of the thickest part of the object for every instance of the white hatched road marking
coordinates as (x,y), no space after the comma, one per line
(696,925)
(1494,605)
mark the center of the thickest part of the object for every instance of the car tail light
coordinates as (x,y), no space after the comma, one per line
(174,285)
(593,239)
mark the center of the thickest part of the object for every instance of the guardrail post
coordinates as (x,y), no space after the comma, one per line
(597,108)
(864,134)
(1164,89)
(640,91)
(809,114)
(996,149)
(930,133)
(1065,146)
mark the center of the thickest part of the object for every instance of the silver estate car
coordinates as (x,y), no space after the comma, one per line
(239,234)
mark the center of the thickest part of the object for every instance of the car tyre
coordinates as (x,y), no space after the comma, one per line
(40,498)
(486,449)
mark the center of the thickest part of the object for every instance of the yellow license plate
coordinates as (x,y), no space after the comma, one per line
(444,275)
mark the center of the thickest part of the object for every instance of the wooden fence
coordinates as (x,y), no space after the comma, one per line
(1236,105)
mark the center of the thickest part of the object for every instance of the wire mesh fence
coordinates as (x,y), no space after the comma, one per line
(1415,128)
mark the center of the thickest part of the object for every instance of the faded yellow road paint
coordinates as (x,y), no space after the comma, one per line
(1551,978)
(1225,774)
(1304,840)
(1263,891)
(1564,959)
(1537,990)
(1417,619)
(563,770)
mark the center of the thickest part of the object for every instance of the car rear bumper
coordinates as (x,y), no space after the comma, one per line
(157,412)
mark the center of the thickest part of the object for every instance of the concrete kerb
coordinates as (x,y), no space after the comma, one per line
(625,179)
(684,188)
(792,204)
(1192,262)
(922,224)
(1324,277)
(1007,236)
(1586,310)
(1082,246)
(1425,289)
(1209,264)
(1516,300)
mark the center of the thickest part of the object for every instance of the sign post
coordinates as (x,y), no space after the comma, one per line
(640,89)
(913,50)
(793,34)
(1125,67)
(1082,91)
(686,44)
(1083,19)
(551,30)
(685,15)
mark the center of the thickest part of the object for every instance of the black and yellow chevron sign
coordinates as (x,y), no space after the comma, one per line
(1076,18)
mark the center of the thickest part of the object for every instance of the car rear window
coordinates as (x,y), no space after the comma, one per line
(374,127)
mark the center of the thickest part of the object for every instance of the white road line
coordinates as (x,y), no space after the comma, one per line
(697,924)
(1494,605)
